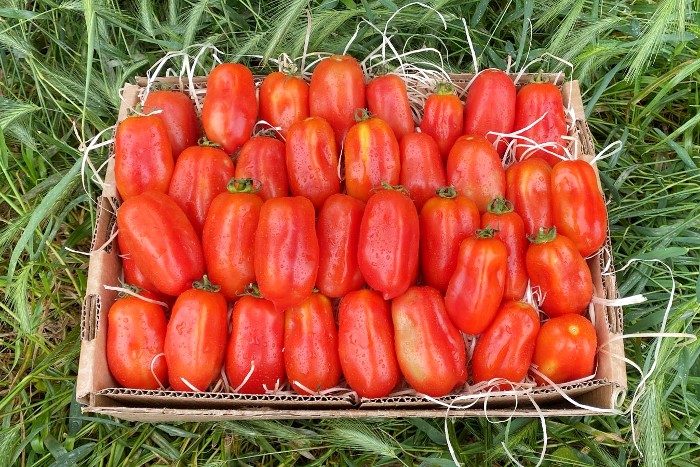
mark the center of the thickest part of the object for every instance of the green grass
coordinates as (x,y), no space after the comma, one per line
(61,66)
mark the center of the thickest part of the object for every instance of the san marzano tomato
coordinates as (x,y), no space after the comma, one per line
(135,337)
(388,246)
(490,107)
(565,349)
(311,345)
(286,251)
(505,349)
(230,107)
(143,157)
(179,116)
(560,274)
(255,346)
(476,287)
(366,344)
(429,348)
(578,206)
(195,342)
(162,241)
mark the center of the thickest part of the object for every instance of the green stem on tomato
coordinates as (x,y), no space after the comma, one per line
(447,192)
(244,185)
(500,205)
(361,115)
(543,235)
(486,232)
(206,285)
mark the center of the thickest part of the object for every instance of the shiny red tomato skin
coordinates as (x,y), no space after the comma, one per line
(163,242)
(511,231)
(311,345)
(286,251)
(443,119)
(429,348)
(372,156)
(336,90)
(179,116)
(263,158)
(444,223)
(312,160)
(529,188)
(228,241)
(559,271)
(257,338)
(475,170)
(533,101)
(490,107)
(578,207)
(387,99)
(284,100)
(338,232)
(143,157)
(505,349)
(422,169)
(476,288)
(230,107)
(366,344)
(195,342)
(388,246)
(201,174)
(565,349)
(135,338)
(132,273)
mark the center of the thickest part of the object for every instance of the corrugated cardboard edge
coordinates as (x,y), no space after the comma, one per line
(94,378)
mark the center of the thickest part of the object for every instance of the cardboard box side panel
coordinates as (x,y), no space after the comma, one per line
(195,415)
(105,266)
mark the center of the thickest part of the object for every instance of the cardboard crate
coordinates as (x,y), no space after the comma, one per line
(98,392)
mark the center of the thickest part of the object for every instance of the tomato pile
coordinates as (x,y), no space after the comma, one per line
(277,269)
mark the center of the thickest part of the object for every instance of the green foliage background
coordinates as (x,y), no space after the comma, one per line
(61,66)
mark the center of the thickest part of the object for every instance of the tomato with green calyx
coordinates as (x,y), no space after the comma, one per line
(559,273)
(195,342)
(255,351)
(510,230)
(476,288)
(443,118)
(372,156)
(388,245)
(445,221)
(228,237)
